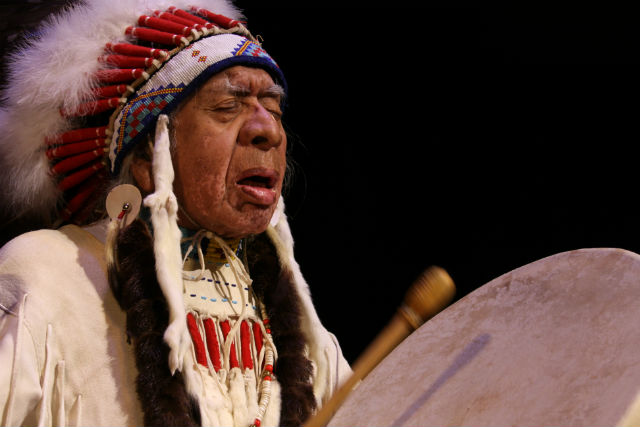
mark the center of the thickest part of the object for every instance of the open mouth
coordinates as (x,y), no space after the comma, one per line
(257,181)
(259,185)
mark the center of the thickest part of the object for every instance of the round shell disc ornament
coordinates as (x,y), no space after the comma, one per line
(123,203)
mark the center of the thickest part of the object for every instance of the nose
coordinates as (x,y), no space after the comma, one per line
(261,129)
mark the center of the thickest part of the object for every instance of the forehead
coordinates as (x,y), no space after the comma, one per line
(252,79)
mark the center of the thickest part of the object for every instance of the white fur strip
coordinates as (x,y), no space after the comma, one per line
(251,390)
(316,335)
(213,399)
(166,245)
(271,416)
(239,398)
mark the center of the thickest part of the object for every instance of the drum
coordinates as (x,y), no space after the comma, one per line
(555,342)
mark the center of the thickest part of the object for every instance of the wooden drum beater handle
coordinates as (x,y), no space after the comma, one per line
(428,295)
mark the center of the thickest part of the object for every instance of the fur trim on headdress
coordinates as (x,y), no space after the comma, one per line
(54,72)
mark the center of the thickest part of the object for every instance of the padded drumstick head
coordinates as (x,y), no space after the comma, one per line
(428,295)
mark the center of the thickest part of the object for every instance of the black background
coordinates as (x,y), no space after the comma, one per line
(473,138)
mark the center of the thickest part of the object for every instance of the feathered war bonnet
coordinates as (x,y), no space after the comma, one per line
(90,85)
(93,79)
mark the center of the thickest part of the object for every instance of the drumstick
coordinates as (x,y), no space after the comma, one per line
(428,295)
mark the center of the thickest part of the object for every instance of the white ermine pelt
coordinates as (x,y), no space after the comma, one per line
(312,327)
(55,70)
(163,206)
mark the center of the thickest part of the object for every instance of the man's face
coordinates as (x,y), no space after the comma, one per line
(230,153)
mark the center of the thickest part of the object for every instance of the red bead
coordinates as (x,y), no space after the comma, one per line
(268,330)
(256,422)
(268,368)
(265,321)
(267,378)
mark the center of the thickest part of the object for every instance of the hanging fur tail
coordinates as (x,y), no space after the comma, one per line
(276,289)
(132,277)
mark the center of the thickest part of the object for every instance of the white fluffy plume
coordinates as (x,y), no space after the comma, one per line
(55,71)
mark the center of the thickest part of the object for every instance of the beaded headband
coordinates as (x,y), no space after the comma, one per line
(145,71)
(186,70)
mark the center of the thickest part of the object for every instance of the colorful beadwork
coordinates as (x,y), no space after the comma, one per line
(143,110)
(249,48)
(130,67)
(188,67)
(216,296)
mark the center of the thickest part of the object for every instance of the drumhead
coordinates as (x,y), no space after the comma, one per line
(555,342)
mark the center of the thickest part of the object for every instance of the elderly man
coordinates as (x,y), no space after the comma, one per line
(186,309)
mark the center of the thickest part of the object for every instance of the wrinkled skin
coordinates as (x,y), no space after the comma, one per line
(229,155)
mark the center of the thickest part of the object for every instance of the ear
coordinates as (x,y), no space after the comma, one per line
(143,174)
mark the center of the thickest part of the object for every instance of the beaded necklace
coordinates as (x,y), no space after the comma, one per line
(217,253)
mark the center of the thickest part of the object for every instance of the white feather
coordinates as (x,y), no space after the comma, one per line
(56,71)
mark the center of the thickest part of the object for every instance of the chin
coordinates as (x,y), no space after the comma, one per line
(246,224)
(258,226)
